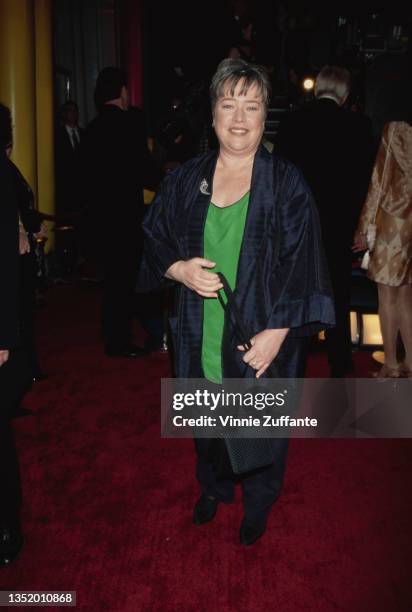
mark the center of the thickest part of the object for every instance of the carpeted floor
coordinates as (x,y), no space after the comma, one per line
(108,503)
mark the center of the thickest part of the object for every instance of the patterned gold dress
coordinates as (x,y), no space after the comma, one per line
(390,200)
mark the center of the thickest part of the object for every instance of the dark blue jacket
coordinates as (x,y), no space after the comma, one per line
(282,280)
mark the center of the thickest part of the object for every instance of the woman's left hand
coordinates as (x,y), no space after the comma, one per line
(4,356)
(24,244)
(43,231)
(265,347)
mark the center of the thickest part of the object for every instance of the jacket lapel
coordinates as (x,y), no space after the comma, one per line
(203,188)
(259,210)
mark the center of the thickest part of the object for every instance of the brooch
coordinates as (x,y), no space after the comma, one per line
(204,187)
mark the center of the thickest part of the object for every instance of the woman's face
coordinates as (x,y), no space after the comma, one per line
(239,120)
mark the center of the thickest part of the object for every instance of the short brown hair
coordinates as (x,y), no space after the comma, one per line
(228,74)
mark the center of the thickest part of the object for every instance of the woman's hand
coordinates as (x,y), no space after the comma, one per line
(359,242)
(191,273)
(265,347)
(43,231)
(4,356)
(24,244)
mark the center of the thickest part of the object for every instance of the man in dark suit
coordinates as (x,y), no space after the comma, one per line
(116,163)
(334,149)
(67,146)
(14,373)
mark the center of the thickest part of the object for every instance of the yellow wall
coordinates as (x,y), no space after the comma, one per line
(26,86)
(44,106)
(17,82)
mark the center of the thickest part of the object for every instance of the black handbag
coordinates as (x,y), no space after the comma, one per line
(245,454)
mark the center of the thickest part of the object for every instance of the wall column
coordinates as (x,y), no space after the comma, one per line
(17,83)
(44,106)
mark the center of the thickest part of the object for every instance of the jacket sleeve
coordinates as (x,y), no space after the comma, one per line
(304,301)
(160,243)
(379,184)
(31,220)
(9,260)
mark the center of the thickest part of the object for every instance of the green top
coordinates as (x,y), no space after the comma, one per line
(222,238)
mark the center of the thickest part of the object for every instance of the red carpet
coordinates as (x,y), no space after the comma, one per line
(108,503)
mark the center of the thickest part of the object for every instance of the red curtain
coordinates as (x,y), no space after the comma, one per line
(131,26)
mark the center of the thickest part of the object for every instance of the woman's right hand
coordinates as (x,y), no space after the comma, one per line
(359,243)
(191,273)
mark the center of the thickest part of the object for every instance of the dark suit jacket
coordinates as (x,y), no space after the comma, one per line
(67,172)
(282,279)
(115,164)
(333,147)
(9,257)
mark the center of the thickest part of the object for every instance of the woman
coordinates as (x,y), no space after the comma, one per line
(238,211)
(389,203)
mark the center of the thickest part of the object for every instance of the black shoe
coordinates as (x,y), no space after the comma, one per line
(205,510)
(249,533)
(152,345)
(130,352)
(21,411)
(39,376)
(11,544)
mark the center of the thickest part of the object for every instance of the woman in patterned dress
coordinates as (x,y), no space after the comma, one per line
(389,205)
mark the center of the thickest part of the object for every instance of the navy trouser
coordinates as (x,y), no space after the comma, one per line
(261,488)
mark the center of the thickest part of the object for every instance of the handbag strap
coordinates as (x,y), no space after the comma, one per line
(383,174)
(272,370)
(231,302)
(233,307)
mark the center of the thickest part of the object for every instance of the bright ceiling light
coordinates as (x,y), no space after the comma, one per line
(308,84)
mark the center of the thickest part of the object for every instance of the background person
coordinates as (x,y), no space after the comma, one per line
(14,371)
(69,136)
(30,228)
(389,202)
(333,147)
(243,48)
(115,165)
